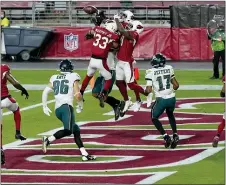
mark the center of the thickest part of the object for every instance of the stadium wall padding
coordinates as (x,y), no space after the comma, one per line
(175,43)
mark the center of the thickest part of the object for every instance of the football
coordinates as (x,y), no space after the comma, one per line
(90,9)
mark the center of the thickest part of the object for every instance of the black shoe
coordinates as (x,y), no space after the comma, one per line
(122,105)
(168,141)
(19,136)
(213,77)
(175,141)
(2,157)
(101,99)
(117,112)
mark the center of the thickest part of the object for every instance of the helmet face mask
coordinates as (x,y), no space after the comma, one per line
(66,66)
(127,16)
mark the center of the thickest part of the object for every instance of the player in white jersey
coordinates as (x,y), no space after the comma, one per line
(65,87)
(162,81)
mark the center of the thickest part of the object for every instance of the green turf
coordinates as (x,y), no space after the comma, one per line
(208,171)
(184,76)
(76,159)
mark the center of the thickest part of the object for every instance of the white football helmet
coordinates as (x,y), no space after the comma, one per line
(135,26)
(127,16)
(110,25)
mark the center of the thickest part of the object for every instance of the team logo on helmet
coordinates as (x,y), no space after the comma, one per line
(71,42)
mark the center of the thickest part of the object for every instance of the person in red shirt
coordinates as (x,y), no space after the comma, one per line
(7,101)
(222,124)
(124,67)
(104,38)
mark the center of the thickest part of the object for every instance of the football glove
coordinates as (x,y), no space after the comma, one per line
(24,92)
(46,110)
(79,107)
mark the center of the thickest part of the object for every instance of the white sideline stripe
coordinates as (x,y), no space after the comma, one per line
(97,175)
(182,87)
(152,147)
(34,106)
(155,178)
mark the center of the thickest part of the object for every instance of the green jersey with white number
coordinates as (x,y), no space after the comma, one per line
(160,80)
(63,87)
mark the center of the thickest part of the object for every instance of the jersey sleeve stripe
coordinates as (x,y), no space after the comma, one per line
(173,76)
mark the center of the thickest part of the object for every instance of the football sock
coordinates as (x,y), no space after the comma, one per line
(62,133)
(136,88)
(17,119)
(78,140)
(83,151)
(112,101)
(107,85)
(137,93)
(158,125)
(122,88)
(172,121)
(221,127)
(85,83)
(51,139)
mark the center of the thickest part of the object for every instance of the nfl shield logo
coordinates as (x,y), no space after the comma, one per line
(71,42)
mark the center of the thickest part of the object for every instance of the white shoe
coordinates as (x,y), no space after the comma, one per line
(89,157)
(149,99)
(136,106)
(127,104)
(45,143)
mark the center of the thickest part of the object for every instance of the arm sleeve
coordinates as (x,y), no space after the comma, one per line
(148,78)
(45,93)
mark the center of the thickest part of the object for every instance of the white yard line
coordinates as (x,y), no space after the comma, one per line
(182,87)
(34,106)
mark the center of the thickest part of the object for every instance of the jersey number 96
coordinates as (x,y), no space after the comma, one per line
(60,86)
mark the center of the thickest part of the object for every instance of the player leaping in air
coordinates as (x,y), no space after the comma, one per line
(7,101)
(221,126)
(104,39)
(65,87)
(124,67)
(162,81)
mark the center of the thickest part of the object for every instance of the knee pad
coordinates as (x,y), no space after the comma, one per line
(67,132)
(131,85)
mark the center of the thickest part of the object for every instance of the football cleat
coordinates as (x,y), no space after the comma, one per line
(167,140)
(215,141)
(2,156)
(45,144)
(19,136)
(117,111)
(127,105)
(136,106)
(122,105)
(175,141)
(89,157)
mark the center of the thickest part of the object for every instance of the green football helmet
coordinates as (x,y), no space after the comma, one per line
(158,60)
(66,66)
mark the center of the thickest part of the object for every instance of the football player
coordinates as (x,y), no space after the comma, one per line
(162,81)
(7,101)
(116,104)
(65,87)
(104,39)
(222,124)
(124,67)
